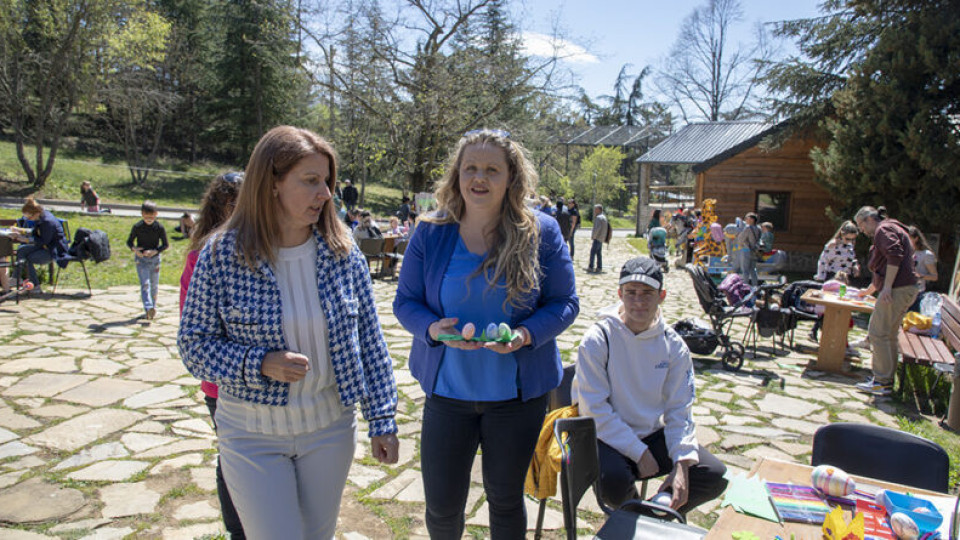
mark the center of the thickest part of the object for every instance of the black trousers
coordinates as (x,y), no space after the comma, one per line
(506,432)
(618,474)
(231,520)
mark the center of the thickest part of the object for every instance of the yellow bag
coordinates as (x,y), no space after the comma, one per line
(916,321)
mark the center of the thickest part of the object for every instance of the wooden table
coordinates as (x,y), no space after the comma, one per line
(772,470)
(389,245)
(836,325)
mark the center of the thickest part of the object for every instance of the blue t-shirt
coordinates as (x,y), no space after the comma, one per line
(480,375)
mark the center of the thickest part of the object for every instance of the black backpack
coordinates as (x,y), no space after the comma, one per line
(90,244)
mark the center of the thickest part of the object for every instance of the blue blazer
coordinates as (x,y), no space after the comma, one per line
(550,309)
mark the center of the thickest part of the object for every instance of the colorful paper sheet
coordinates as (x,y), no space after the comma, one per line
(802,504)
(748,496)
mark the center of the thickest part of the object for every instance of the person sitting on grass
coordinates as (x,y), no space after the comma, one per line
(186,226)
(635,378)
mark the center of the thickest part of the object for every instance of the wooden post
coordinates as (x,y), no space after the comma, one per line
(643,196)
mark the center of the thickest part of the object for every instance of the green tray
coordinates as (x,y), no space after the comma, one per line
(456,337)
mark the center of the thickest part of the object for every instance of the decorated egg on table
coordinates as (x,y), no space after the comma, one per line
(469,330)
(504,330)
(492,331)
(904,527)
(832,481)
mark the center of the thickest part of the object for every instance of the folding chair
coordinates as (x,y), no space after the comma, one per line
(372,249)
(64,260)
(580,469)
(882,453)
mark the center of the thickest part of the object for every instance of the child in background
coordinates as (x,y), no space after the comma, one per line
(186,225)
(766,238)
(215,208)
(147,240)
(89,200)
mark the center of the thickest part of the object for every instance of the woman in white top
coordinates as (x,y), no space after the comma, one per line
(280,314)
(838,254)
(924,259)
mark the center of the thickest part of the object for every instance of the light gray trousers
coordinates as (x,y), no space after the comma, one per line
(288,486)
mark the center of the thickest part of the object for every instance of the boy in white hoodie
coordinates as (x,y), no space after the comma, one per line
(635,378)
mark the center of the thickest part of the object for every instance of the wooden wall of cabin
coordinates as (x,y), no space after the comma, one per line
(734,183)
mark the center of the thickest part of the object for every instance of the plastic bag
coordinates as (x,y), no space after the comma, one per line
(930,304)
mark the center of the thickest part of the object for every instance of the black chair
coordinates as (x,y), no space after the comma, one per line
(372,249)
(882,453)
(580,469)
(558,397)
(64,260)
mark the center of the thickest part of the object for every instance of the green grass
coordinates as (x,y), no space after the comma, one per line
(616,222)
(948,440)
(112,181)
(639,244)
(120,269)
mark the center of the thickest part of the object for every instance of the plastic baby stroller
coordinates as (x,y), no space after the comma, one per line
(657,243)
(721,314)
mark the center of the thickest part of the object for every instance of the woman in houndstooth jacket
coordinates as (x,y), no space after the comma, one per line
(280,314)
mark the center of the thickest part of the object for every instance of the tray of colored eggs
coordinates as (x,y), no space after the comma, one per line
(493,333)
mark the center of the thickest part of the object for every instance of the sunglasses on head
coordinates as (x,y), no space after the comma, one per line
(233,177)
(495,132)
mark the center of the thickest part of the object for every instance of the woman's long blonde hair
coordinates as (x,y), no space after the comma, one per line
(514,255)
(256,215)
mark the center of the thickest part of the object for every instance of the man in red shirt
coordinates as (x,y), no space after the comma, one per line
(891,262)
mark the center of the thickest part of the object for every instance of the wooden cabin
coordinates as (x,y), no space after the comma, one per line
(734,167)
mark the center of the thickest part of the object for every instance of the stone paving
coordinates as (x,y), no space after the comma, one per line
(103,433)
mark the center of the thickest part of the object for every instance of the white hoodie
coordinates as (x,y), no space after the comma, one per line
(646,384)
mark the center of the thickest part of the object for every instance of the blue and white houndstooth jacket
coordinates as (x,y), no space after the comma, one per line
(232,318)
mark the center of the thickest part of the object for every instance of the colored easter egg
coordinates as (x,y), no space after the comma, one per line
(28,285)
(878,498)
(904,527)
(468,331)
(505,331)
(492,331)
(832,481)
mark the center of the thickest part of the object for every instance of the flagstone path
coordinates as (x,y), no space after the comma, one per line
(103,433)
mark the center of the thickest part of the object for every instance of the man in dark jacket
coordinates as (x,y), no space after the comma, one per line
(350,195)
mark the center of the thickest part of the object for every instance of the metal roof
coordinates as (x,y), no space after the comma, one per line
(706,144)
(626,136)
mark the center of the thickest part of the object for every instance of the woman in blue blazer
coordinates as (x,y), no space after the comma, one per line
(482,258)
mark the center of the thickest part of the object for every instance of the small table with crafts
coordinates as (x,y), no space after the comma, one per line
(778,474)
(836,324)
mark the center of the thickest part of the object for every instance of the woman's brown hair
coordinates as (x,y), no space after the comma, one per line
(256,215)
(215,207)
(31,207)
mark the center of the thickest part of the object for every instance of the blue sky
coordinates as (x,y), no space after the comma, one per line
(640,32)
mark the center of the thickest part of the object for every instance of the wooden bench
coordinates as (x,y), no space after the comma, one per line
(931,352)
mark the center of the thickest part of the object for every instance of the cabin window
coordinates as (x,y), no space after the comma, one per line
(774,206)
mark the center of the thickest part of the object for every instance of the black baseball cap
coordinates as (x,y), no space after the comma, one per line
(643,270)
